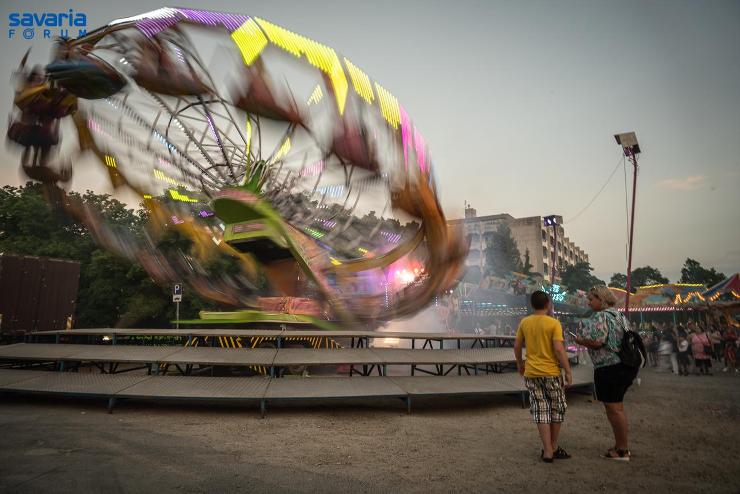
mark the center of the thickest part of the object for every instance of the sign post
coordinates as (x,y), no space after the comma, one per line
(177,298)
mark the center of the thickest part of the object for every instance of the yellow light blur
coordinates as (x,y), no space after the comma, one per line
(181,197)
(388,106)
(316,95)
(159,175)
(320,56)
(249,136)
(284,148)
(250,40)
(361,82)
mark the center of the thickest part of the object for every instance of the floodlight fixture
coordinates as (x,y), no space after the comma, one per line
(551,220)
(628,141)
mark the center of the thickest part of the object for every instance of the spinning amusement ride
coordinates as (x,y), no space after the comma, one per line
(279,153)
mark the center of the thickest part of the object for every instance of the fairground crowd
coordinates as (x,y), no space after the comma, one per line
(692,348)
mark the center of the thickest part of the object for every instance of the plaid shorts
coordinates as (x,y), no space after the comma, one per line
(546,399)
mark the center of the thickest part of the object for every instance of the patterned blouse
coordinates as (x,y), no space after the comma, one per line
(605,326)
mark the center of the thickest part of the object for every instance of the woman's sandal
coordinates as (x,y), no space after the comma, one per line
(543,458)
(617,454)
(560,454)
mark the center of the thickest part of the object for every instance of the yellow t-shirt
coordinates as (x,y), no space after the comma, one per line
(538,333)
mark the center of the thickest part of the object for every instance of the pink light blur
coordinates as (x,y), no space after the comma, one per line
(420,147)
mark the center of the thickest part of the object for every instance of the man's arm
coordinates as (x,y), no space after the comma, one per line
(562,357)
(518,353)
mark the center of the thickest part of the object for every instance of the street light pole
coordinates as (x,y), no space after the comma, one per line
(633,159)
(554,253)
(552,221)
(631,149)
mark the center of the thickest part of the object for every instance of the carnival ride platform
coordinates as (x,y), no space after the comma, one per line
(68,369)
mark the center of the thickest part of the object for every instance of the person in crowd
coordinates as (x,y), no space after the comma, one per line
(701,348)
(664,352)
(671,337)
(730,339)
(602,335)
(543,337)
(653,347)
(716,336)
(684,348)
(646,339)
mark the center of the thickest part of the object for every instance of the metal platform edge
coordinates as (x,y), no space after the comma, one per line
(405,395)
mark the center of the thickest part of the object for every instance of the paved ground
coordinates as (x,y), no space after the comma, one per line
(686,438)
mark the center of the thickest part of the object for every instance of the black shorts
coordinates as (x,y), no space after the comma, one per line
(611,382)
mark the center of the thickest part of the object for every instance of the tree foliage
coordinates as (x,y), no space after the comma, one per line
(527,264)
(502,253)
(578,276)
(619,280)
(646,275)
(694,272)
(112,290)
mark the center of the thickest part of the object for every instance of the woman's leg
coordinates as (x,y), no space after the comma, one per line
(618,420)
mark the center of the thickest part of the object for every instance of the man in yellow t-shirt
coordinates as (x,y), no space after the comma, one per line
(543,337)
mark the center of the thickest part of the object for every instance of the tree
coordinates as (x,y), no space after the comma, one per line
(619,280)
(502,254)
(693,272)
(647,275)
(527,265)
(578,276)
(112,290)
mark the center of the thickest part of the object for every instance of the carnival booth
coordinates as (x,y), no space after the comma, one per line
(724,299)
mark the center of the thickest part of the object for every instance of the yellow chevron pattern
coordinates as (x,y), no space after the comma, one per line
(250,40)
(360,81)
(320,56)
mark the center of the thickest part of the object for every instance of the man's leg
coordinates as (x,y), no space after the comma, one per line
(544,430)
(618,420)
(554,433)
(674,363)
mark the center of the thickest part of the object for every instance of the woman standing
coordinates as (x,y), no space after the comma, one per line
(602,334)
(683,355)
(701,347)
(716,336)
(730,338)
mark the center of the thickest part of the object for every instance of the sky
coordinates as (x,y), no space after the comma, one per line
(519,102)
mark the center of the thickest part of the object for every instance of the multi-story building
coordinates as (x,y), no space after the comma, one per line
(528,233)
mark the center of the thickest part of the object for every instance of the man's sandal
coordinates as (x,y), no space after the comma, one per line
(617,454)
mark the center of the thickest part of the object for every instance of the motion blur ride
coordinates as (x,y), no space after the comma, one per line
(295,171)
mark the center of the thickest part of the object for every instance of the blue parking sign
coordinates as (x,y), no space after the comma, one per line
(177,292)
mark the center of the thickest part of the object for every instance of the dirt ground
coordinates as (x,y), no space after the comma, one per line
(685,438)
